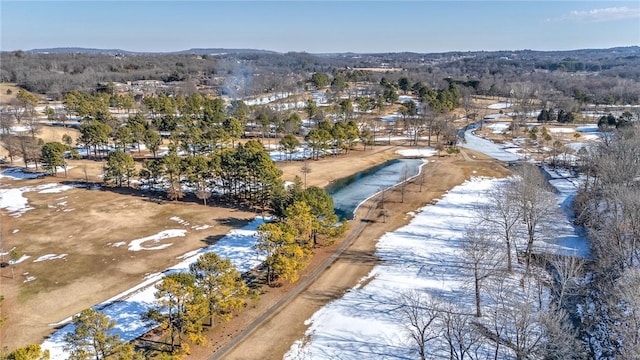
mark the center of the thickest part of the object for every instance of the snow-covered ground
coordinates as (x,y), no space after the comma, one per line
(555,130)
(422,256)
(14,202)
(126,308)
(50,257)
(390,118)
(266,99)
(495,116)
(500,105)
(423,152)
(19,173)
(498,127)
(425,255)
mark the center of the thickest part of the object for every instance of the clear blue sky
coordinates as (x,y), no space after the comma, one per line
(320,26)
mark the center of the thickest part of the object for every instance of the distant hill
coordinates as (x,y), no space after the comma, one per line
(208,51)
(525,53)
(79,50)
(196,51)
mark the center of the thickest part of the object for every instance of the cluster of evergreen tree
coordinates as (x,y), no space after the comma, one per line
(609,121)
(440,100)
(334,137)
(302,218)
(244,172)
(550,115)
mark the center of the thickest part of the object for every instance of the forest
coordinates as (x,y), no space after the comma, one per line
(598,76)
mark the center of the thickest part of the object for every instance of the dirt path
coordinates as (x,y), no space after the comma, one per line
(302,285)
(269,328)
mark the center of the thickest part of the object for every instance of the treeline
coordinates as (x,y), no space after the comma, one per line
(609,207)
(596,73)
(57,74)
(245,173)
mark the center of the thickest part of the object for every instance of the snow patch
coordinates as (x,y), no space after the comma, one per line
(500,105)
(179,220)
(21,259)
(200,227)
(498,128)
(425,152)
(136,245)
(14,202)
(561,130)
(50,257)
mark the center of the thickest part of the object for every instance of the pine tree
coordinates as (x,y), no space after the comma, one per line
(223,287)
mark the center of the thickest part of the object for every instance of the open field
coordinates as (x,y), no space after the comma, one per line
(86,225)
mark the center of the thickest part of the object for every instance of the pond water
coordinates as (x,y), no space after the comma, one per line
(350,192)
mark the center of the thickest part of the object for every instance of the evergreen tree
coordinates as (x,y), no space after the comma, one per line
(94,134)
(120,167)
(320,80)
(223,287)
(52,156)
(93,338)
(29,352)
(289,145)
(285,257)
(152,141)
(179,308)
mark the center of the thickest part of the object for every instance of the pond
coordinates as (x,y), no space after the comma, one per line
(348,193)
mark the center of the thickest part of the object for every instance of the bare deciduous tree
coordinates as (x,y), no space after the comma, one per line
(567,272)
(404,176)
(626,305)
(523,94)
(203,194)
(480,256)
(419,312)
(6,122)
(561,340)
(502,213)
(518,317)
(305,169)
(537,204)
(33,124)
(463,339)
(12,144)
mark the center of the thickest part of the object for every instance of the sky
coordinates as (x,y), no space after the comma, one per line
(320,26)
